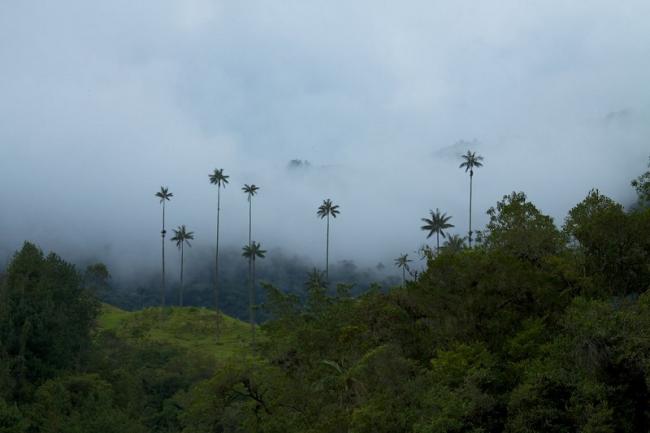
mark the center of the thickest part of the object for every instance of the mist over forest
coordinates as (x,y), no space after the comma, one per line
(427,216)
(291,272)
(123,100)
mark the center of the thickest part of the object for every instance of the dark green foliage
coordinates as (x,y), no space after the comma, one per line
(147,378)
(11,418)
(519,335)
(458,396)
(46,316)
(454,244)
(518,228)
(612,245)
(588,378)
(79,404)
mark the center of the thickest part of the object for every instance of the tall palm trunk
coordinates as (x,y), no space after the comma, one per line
(327,252)
(403,276)
(182,263)
(216,266)
(471,176)
(437,241)
(162,290)
(250,218)
(251,272)
(254,301)
(251,296)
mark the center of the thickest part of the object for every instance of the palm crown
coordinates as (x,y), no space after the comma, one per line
(218,178)
(403,261)
(251,190)
(164,194)
(182,235)
(470,161)
(253,250)
(454,243)
(328,208)
(438,223)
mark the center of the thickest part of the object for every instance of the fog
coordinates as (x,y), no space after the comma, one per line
(101,103)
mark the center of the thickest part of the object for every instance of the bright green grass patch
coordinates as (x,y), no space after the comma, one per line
(191,328)
(110,317)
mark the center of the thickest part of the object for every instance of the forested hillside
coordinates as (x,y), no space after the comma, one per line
(539,327)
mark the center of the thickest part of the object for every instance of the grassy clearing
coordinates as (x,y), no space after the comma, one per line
(191,328)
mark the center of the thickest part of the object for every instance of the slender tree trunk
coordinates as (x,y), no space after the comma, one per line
(250,218)
(162,290)
(254,302)
(437,242)
(182,263)
(403,276)
(216,266)
(471,176)
(251,297)
(327,252)
(251,261)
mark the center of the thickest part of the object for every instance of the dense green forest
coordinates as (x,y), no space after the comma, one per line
(535,328)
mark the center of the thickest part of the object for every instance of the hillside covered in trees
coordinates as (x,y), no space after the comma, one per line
(539,327)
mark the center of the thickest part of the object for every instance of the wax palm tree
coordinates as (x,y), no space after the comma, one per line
(437,224)
(252,251)
(403,263)
(326,210)
(454,243)
(250,191)
(164,195)
(220,180)
(182,237)
(471,161)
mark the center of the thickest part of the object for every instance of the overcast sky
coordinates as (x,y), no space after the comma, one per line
(103,102)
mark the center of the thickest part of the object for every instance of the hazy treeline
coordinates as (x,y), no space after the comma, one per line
(289,271)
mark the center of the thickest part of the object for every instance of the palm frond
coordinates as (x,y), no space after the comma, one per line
(164,194)
(250,190)
(403,261)
(471,161)
(218,178)
(438,223)
(454,243)
(182,235)
(328,208)
(254,250)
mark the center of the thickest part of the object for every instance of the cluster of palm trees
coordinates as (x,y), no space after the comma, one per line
(181,236)
(438,222)
(251,251)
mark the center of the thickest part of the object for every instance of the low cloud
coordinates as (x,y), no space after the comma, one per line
(103,103)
